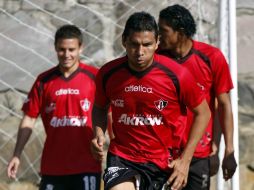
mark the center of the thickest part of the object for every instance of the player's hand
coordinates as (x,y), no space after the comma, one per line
(12,168)
(97,147)
(214,164)
(179,177)
(214,160)
(229,165)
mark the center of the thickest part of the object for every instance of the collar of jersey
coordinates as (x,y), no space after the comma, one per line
(72,75)
(140,74)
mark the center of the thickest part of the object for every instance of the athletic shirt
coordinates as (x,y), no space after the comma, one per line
(211,71)
(147,107)
(65,106)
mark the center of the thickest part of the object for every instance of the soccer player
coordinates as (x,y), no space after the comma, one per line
(63,96)
(208,65)
(147,94)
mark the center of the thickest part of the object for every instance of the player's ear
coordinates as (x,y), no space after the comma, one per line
(124,41)
(181,35)
(181,32)
(55,45)
(81,48)
(157,42)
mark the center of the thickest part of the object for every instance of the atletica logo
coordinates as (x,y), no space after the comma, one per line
(68,121)
(138,88)
(140,120)
(66,91)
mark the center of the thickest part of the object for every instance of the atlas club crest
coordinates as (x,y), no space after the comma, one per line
(160,104)
(85,104)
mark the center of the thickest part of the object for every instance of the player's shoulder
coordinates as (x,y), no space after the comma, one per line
(170,66)
(119,62)
(167,62)
(159,58)
(205,48)
(89,68)
(48,73)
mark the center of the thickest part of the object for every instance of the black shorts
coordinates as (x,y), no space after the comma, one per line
(120,170)
(84,181)
(199,178)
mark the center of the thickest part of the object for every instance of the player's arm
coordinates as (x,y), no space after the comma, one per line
(201,116)
(214,157)
(100,123)
(110,126)
(216,130)
(24,133)
(226,122)
(99,116)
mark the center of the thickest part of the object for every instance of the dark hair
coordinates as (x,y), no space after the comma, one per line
(68,32)
(140,22)
(180,19)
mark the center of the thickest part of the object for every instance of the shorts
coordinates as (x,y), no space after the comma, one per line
(84,181)
(120,170)
(198,178)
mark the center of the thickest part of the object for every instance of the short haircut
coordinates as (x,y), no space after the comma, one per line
(180,19)
(140,22)
(69,32)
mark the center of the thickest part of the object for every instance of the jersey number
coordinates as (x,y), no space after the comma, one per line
(90,182)
(205,181)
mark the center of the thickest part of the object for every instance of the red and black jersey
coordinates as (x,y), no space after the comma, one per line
(147,107)
(211,71)
(65,106)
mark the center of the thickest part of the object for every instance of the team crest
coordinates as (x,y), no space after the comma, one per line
(85,104)
(51,107)
(160,104)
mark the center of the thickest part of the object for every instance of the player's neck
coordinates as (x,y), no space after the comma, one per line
(67,71)
(184,48)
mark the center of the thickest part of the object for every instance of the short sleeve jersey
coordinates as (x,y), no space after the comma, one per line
(65,106)
(212,74)
(146,107)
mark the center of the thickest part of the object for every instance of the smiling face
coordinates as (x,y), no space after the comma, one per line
(140,48)
(68,53)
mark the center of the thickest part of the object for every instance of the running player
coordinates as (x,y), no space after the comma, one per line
(211,71)
(147,94)
(63,96)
